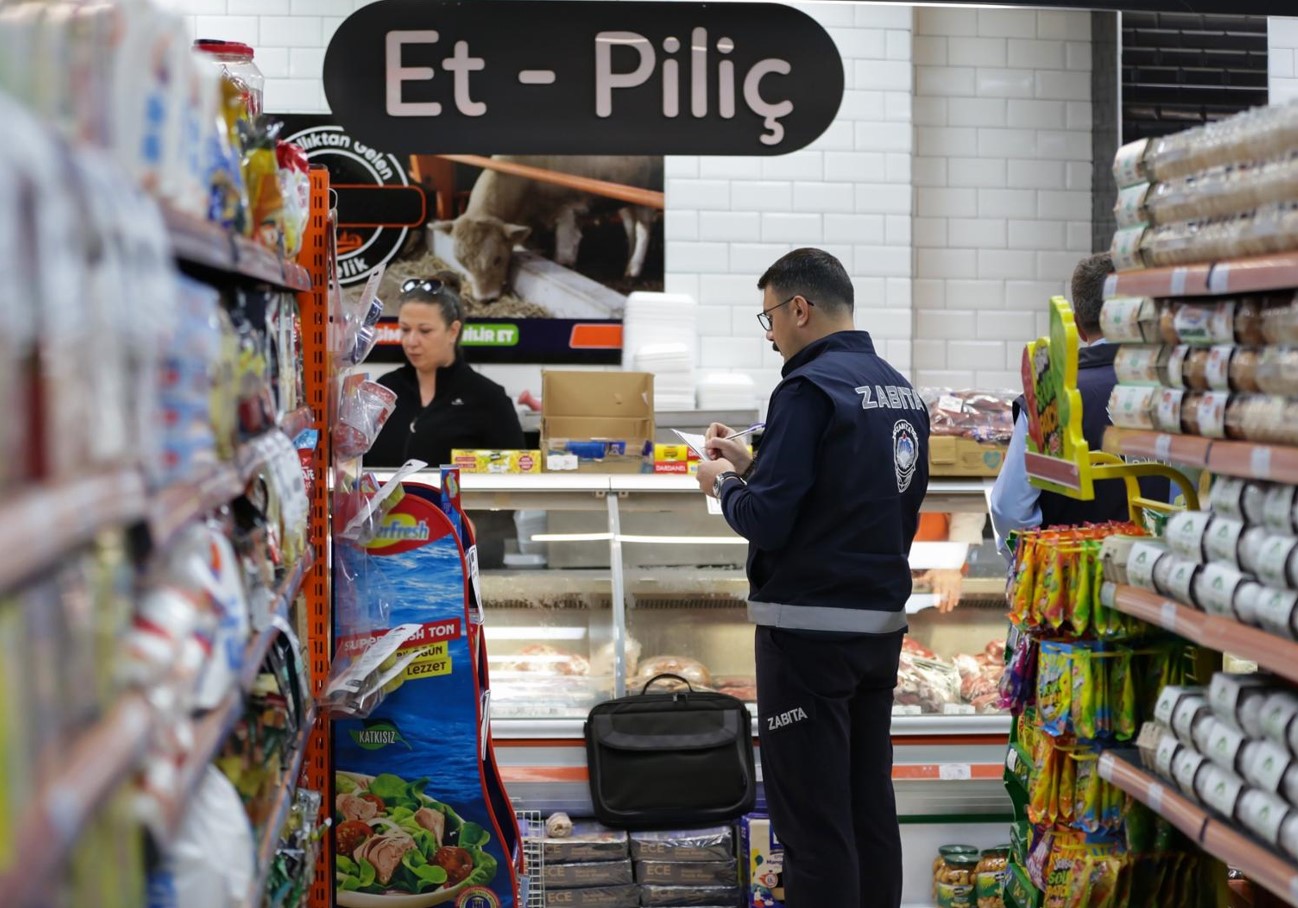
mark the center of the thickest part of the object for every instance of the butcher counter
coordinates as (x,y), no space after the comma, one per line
(593,583)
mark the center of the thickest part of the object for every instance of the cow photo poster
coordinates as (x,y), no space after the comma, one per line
(547,247)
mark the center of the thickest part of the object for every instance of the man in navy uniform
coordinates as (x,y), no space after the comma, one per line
(829,508)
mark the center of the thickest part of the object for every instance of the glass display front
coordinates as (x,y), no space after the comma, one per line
(556,562)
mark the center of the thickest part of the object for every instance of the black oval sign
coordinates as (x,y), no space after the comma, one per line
(576,77)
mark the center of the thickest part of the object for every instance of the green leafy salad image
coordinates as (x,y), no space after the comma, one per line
(397,847)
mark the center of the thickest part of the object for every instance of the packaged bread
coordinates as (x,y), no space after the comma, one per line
(1131,406)
(1277,370)
(692,670)
(1130,320)
(1280,321)
(1137,364)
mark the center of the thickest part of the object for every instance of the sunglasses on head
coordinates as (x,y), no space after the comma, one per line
(426,284)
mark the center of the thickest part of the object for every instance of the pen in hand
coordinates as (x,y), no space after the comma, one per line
(751,429)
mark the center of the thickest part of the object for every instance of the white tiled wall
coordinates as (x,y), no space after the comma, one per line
(727,218)
(1282,47)
(954,184)
(1002,179)
(849,193)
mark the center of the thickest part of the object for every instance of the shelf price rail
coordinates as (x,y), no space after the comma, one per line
(1214,835)
(1247,460)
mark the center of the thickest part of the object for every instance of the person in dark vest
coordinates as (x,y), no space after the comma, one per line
(829,528)
(1015,503)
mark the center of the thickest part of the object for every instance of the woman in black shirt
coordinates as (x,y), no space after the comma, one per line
(441,403)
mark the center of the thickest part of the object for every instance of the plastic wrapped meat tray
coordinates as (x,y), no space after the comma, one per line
(687,896)
(590,841)
(985,416)
(589,873)
(716,844)
(594,897)
(687,873)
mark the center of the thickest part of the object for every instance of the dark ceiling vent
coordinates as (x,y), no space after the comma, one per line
(1180,70)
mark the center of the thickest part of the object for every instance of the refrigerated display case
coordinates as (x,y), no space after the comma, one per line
(587,579)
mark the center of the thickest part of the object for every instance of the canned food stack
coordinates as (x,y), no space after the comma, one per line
(1222,368)
(1231,747)
(1235,561)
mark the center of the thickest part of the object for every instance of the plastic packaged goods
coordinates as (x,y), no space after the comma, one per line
(1257,134)
(590,873)
(594,897)
(588,841)
(716,844)
(211,861)
(652,895)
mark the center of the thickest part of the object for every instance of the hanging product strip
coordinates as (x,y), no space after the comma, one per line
(1206,380)
(155,683)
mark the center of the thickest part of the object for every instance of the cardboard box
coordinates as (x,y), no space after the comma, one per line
(761,860)
(598,406)
(950,455)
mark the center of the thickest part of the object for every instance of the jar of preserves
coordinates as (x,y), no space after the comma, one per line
(236,62)
(956,888)
(989,877)
(942,871)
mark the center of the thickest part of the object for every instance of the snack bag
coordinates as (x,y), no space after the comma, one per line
(1084,693)
(1024,583)
(1123,684)
(1054,688)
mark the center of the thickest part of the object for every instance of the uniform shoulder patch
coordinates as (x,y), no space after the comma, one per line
(905,453)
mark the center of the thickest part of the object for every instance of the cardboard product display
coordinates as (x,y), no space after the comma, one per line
(424,752)
(951,455)
(688,873)
(587,408)
(590,873)
(761,860)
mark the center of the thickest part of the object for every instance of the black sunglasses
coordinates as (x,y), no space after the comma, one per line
(764,318)
(434,287)
(426,284)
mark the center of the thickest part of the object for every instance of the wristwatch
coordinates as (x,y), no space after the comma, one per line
(721,481)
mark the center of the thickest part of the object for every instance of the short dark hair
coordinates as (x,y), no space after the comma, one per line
(813,274)
(446,298)
(1088,290)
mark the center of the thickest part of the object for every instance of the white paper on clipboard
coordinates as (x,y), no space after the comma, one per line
(698,443)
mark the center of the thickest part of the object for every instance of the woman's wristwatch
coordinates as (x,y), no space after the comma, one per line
(721,481)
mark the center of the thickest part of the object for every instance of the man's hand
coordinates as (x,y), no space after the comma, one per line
(720,447)
(709,470)
(946,585)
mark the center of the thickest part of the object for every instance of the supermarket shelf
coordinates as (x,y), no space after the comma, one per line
(1211,631)
(72,513)
(283,802)
(1275,463)
(100,760)
(200,242)
(301,418)
(187,501)
(256,652)
(1246,275)
(210,733)
(1214,836)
